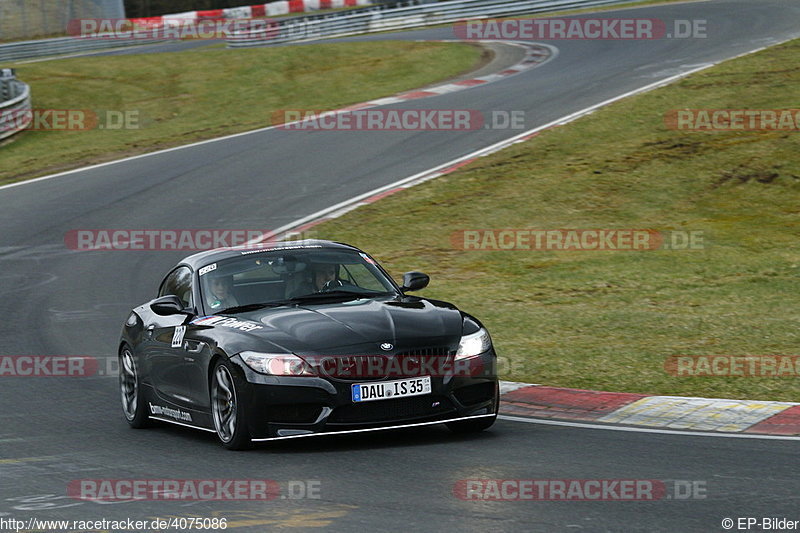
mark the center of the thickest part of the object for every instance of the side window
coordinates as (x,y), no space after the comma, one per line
(179,283)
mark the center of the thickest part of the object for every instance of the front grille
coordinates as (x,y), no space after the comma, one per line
(442,351)
(472,394)
(386,410)
(377,367)
(353,367)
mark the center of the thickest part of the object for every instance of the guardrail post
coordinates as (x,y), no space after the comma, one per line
(15,104)
(7,75)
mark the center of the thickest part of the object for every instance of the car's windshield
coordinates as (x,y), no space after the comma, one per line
(270,277)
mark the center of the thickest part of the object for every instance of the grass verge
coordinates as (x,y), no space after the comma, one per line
(189,96)
(608,320)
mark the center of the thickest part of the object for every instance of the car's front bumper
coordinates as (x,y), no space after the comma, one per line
(383,427)
(289,407)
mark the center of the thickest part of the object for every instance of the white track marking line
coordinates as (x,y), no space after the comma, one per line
(430,173)
(646,430)
(436,171)
(511,386)
(389,100)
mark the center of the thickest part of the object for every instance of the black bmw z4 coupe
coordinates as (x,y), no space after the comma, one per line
(298,339)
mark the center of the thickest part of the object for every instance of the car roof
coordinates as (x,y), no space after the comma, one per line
(200,259)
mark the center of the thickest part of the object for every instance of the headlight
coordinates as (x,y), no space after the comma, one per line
(474,344)
(277,364)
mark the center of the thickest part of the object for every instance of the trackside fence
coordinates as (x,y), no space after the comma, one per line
(412,14)
(15,104)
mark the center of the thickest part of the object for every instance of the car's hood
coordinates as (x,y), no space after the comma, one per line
(341,327)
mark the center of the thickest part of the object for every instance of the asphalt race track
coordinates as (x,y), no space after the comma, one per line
(60,302)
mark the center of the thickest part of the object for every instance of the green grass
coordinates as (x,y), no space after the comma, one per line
(608,320)
(188,96)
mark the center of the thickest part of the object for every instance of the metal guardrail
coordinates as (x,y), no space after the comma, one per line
(71,45)
(61,46)
(15,104)
(395,18)
(399,14)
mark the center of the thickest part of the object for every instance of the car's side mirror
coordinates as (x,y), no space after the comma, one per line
(167,305)
(414,281)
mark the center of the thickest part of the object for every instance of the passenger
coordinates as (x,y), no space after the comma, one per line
(221,293)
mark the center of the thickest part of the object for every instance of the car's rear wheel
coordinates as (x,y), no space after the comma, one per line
(132,404)
(227,409)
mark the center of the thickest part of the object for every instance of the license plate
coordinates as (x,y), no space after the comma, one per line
(387,390)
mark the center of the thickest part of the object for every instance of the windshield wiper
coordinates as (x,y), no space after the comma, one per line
(338,294)
(250,307)
(328,294)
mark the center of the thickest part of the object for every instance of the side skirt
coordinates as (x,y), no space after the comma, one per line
(180,423)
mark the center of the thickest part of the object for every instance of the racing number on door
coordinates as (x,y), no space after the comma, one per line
(177,337)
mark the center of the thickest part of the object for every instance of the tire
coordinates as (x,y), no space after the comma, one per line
(133,406)
(227,407)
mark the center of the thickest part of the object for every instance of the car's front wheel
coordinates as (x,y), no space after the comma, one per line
(227,408)
(130,391)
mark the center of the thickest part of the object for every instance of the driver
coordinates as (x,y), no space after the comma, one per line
(221,292)
(321,277)
(325,275)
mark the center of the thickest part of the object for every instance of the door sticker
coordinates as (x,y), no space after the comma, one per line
(177,337)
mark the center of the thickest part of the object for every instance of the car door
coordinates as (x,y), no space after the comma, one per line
(197,356)
(168,353)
